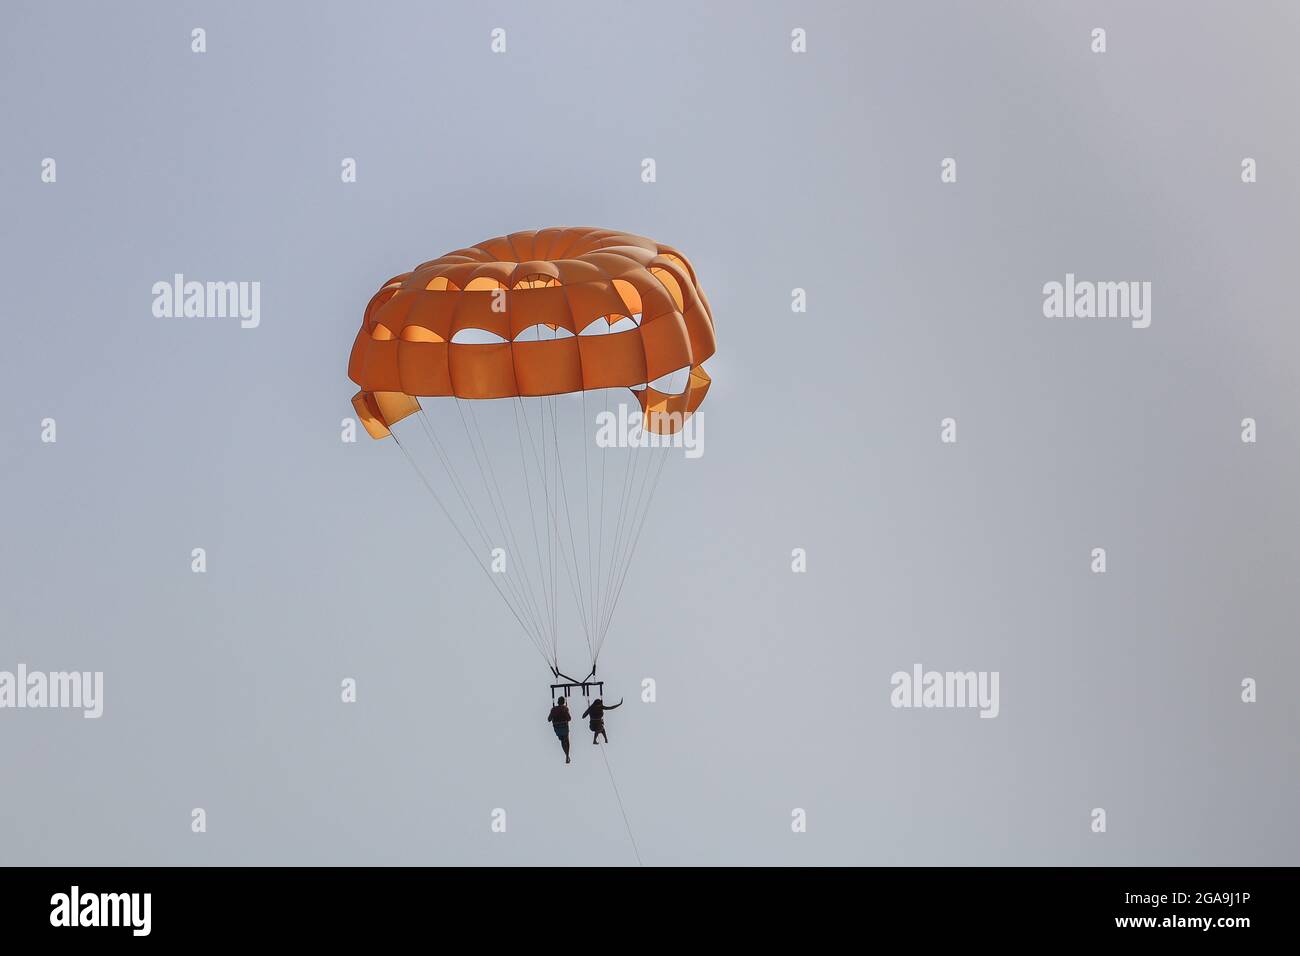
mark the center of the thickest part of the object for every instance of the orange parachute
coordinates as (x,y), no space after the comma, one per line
(522,338)
(474,324)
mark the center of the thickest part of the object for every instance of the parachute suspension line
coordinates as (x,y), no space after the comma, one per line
(543,467)
(627,513)
(542,458)
(632,460)
(550,536)
(553,486)
(497,501)
(600,537)
(618,522)
(586,484)
(444,460)
(572,571)
(556,550)
(644,514)
(645,461)
(619,797)
(467,502)
(638,510)
(542,556)
(504,524)
(511,585)
(528,633)
(568,517)
(532,523)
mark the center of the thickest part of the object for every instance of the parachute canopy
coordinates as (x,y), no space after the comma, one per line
(516,316)
(530,339)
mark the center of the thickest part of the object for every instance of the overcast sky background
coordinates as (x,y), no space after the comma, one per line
(775,171)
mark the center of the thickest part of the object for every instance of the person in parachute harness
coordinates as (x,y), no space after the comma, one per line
(597,710)
(559,718)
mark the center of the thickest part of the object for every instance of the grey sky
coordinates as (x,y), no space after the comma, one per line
(775,171)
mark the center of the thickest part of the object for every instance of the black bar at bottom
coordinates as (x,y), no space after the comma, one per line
(370,905)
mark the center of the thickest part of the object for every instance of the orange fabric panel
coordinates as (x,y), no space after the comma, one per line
(394,406)
(433,311)
(699,387)
(664,414)
(474,311)
(548,368)
(392,313)
(379,410)
(522,244)
(368,412)
(542,240)
(460,273)
(498,248)
(533,267)
(612,360)
(357,358)
(590,300)
(500,271)
(529,307)
(575,272)
(668,279)
(669,255)
(682,277)
(380,369)
(629,295)
(612,264)
(482,371)
(667,414)
(423,368)
(380,299)
(633,253)
(703,340)
(667,345)
(655,299)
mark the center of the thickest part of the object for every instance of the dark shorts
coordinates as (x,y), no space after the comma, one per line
(561,730)
(597,726)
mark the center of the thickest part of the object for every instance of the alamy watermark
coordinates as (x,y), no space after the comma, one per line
(922,688)
(1084,299)
(626,429)
(83,690)
(75,908)
(208,300)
